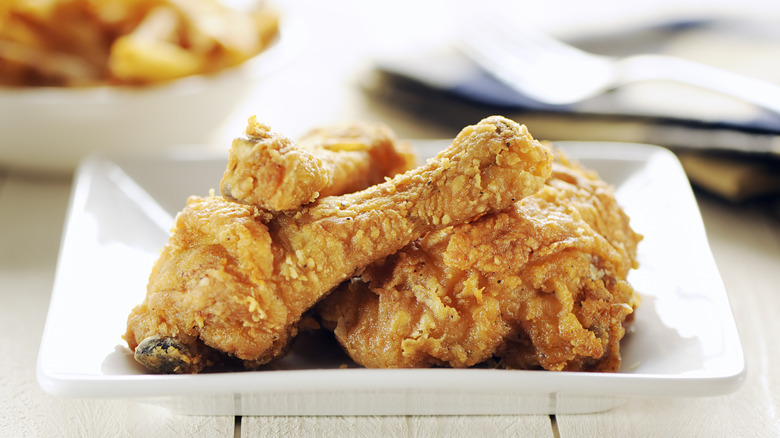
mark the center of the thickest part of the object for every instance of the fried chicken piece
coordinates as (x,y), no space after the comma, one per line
(273,172)
(235,280)
(542,284)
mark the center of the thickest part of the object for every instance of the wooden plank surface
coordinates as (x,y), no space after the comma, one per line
(399,426)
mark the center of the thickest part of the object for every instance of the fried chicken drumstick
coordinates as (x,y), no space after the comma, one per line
(273,172)
(235,280)
(539,285)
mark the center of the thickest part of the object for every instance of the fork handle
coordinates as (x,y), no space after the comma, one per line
(654,67)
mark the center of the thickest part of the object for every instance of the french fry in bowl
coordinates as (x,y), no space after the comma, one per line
(79,76)
(92,42)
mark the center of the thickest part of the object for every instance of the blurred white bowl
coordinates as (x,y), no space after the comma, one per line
(49,129)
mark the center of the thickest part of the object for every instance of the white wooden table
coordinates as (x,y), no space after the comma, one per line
(745,240)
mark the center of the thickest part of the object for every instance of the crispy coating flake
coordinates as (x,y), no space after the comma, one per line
(235,280)
(273,172)
(539,285)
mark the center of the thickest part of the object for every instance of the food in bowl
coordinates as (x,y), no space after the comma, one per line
(75,43)
(498,249)
(52,121)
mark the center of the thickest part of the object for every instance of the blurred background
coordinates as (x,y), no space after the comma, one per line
(401,63)
(398,62)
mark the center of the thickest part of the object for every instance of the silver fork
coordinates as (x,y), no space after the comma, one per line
(550,71)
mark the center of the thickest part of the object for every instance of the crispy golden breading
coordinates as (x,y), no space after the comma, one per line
(358,155)
(235,280)
(542,284)
(273,172)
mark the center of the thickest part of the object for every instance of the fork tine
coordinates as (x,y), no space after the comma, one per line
(482,32)
(517,37)
(527,60)
(553,72)
(494,42)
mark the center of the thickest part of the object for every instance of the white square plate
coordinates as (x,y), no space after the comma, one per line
(684,343)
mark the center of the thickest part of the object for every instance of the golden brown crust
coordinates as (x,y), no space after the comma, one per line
(273,172)
(270,171)
(541,284)
(235,279)
(358,155)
